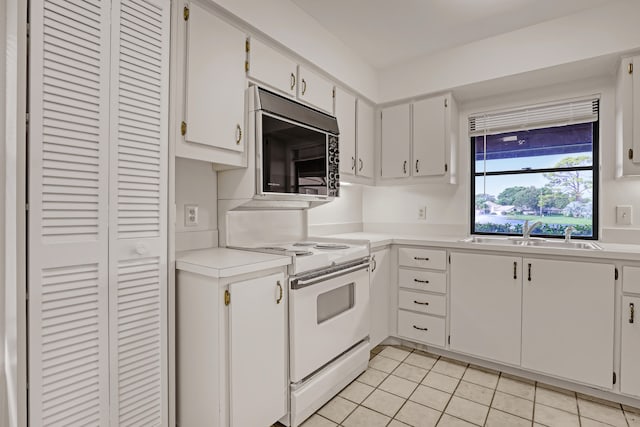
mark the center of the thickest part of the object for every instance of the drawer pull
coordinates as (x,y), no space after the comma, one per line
(529,277)
(420,281)
(632,312)
(419,328)
(515,270)
(421,303)
(417,258)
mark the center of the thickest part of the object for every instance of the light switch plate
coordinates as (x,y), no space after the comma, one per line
(190,215)
(623,215)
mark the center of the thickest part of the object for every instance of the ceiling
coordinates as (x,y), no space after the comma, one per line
(386,33)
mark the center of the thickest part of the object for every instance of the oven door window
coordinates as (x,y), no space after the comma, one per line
(335,302)
(294,158)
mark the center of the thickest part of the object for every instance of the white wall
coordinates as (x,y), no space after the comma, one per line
(287,24)
(343,215)
(610,29)
(396,208)
(196,184)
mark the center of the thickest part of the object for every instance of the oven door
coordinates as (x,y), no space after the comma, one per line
(327,316)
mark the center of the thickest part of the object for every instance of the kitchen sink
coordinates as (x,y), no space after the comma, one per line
(532,241)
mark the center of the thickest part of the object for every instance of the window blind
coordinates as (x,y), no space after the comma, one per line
(536,116)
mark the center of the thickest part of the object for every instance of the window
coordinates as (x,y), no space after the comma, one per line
(536,164)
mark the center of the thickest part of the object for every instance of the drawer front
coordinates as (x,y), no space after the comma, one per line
(631,279)
(421,328)
(423,258)
(425,303)
(423,280)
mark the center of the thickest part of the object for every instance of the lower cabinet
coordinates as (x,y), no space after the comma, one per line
(568,320)
(630,368)
(486,297)
(231,345)
(380,306)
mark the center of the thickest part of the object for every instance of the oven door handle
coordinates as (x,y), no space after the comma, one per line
(299,283)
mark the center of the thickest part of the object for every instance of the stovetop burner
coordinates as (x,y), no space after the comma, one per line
(331,246)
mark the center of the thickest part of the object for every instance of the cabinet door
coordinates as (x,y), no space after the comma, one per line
(215,81)
(429,136)
(257,351)
(345,107)
(138,212)
(315,90)
(567,320)
(68,213)
(271,67)
(396,141)
(380,307)
(630,368)
(365,138)
(486,295)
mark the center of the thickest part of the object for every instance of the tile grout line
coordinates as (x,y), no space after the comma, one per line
(452,394)
(493,396)
(535,396)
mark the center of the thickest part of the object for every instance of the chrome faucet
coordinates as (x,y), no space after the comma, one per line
(567,233)
(526,229)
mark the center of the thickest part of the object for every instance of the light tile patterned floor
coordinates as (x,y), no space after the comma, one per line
(413,388)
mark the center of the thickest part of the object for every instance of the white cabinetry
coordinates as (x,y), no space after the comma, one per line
(486,298)
(215,82)
(356,123)
(568,320)
(231,349)
(419,140)
(630,352)
(380,293)
(97,239)
(269,66)
(628,117)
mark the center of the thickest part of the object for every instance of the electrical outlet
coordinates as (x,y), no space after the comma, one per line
(422,213)
(623,215)
(190,215)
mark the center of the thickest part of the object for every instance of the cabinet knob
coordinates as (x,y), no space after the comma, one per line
(361,165)
(417,163)
(404,167)
(141,249)
(632,312)
(293,81)
(238,134)
(279,285)
(304,86)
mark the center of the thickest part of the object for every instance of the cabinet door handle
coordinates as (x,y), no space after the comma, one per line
(417,169)
(404,167)
(420,281)
(361,164)
(632,312)
(304,86)
(293,81)
(515,269)
(419,328)
(529,269)
(353,163)
(374,262)
(417,258)
(279,285)
(238,134)
(421,303)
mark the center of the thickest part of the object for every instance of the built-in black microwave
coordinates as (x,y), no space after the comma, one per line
(297,150)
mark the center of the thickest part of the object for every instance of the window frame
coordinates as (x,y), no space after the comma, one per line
(595,168)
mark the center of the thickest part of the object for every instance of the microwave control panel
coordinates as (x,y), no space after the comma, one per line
(333,174)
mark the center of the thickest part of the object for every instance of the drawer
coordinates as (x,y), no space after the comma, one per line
(421,328)
(425,303)
(631,279)
(423,258)
(431,281)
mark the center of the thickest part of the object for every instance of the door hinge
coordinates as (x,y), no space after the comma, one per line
(630,153)
(446,103)
(614,377)
(449,259)
(446,167)
(615,275)
(26,207)
(449,339)
(183,128)
(227,298)
(246,66)
(185,13)
(247,46)
(631,68)
(26,118)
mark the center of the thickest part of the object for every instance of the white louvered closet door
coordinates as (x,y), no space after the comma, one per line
(138,212)
(68,199)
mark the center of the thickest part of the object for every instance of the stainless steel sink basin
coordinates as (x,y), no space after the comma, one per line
(532,241)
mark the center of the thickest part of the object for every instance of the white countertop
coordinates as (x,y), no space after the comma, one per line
(223,262)
(613,251)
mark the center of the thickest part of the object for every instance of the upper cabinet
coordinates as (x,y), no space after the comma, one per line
(272,68)
(628,117)
(213,127)
(419,139)
(345,108)
(357,136)
(365,139)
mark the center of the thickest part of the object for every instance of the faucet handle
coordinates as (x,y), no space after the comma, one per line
(567,232)
(525,226)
